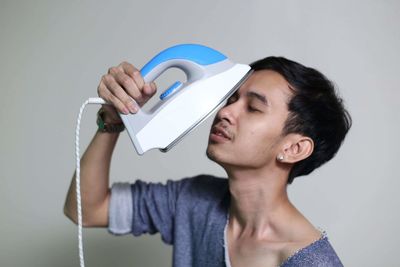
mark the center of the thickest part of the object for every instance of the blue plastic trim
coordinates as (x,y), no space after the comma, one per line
(170,90)
(199,54)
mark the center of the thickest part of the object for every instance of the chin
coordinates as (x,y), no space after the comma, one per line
(216,156)
(212,154)
(227,162)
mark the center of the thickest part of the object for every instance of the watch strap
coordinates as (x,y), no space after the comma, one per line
(108,127)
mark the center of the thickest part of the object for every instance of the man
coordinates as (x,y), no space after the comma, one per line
(283,122)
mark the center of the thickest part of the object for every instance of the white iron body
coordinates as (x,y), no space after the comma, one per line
(187,104)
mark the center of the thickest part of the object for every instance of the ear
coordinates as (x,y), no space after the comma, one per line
(297,148)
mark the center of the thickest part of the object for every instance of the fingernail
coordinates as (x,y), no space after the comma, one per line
(132,107)
(125,111)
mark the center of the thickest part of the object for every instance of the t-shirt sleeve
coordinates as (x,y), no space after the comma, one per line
(144,207)
(120,209)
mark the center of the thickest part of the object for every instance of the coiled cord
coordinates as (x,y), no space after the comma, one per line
(94,100)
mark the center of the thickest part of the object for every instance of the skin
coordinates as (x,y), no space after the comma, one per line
(125,90)
(264,227)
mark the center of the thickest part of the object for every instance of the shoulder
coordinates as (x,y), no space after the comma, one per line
(318,253)
(201,191)
(206,181)
(204,186)
(200,185)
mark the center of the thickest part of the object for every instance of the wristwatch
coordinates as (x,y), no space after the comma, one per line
(105,127)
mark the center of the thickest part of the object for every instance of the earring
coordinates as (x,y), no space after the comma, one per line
(280,157)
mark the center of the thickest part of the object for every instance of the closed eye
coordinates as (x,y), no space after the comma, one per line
(251,109)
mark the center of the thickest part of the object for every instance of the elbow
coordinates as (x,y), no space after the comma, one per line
(74,219)
(70,215)
(87,221)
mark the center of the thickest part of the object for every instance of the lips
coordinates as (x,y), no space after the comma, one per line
(217,130)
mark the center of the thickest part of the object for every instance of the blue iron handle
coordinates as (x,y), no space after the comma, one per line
(187,57)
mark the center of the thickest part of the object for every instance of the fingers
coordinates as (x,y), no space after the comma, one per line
(134,73)
(149,89)
(124,87)
(107,95)
(122,82)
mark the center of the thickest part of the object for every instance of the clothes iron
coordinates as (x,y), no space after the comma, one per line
(211,78)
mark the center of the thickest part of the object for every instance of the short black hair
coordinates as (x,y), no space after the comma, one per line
(315,111)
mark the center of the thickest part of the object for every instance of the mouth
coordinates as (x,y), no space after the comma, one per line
(219,134)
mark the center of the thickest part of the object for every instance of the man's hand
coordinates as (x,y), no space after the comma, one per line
(121,87)
(124,88)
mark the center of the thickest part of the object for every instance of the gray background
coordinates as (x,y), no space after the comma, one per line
(53,54)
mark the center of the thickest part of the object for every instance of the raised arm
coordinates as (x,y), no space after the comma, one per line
(117,87)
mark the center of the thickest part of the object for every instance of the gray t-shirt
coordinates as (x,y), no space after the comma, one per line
(192,214)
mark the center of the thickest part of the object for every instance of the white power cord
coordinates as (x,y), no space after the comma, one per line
(94,100)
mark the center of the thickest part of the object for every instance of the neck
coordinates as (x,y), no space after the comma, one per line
(259,203)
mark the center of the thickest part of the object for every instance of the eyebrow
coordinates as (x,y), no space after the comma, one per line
(258,96)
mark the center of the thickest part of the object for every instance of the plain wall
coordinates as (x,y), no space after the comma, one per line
(53,54)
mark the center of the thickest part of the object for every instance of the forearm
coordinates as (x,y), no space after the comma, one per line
(118,87)
(95,169)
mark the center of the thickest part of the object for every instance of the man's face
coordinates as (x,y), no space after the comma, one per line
(252,119)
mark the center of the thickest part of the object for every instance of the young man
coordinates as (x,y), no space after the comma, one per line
(283,122)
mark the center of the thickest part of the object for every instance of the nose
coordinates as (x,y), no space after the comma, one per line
(227,113)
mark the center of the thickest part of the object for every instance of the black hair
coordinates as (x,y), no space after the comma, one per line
(315,111)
